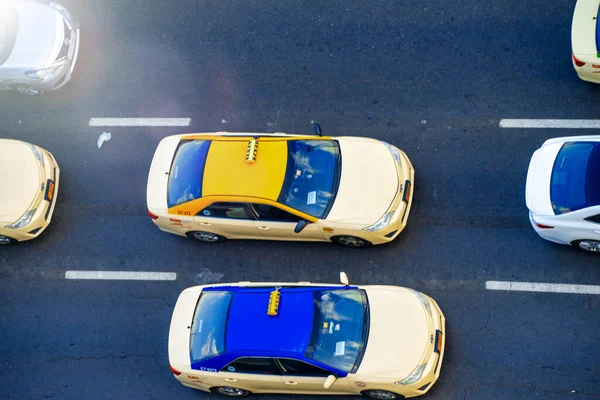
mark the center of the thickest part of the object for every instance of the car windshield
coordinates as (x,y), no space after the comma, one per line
(8,29)
(311,177)
(207,333)
(575,181)
(340,328)
(185,178)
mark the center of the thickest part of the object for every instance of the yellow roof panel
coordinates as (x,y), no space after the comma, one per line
(228,173)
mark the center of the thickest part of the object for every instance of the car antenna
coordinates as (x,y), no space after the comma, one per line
(316,128)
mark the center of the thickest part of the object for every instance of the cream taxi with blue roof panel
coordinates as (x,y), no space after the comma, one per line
(350,190)
(301,338)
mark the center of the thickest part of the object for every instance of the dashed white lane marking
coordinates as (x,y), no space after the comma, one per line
(542,287)
(551,123)
(122,275)
(140,121)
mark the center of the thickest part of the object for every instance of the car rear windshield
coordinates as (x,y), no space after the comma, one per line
(187,170)
(340,328)
(575,181)
(207,333)
(8,29)
(311,176)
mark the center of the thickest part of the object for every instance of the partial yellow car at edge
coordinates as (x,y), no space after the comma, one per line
(353,191)
(29,177)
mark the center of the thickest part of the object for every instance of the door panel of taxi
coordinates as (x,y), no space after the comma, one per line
(256,374)
(232,220)
(305,378)
(275,223)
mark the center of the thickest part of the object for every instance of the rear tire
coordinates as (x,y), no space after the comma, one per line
(352,242)
(206,237)
(588,245)
(230,391)
(382,394)
(6,241)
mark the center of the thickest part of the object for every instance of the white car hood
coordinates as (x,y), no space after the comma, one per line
(368,183)
(583,29)
(39,29)
(398,335)
(537,187)
(158,178)
(179,333)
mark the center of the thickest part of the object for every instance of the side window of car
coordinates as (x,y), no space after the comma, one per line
(594,218)
(266,212)
(300,368)
(225,210)
(252,365)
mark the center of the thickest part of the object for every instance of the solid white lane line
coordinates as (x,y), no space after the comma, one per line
(542,287)
(140,121)
(551,123)
(122,275)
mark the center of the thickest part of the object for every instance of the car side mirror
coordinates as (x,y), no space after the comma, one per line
(329,381)
(300,226)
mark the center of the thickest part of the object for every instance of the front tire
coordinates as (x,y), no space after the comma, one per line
(382,394)
(230,391)
(206,237)
(351,241)
(588,245)
(6,241)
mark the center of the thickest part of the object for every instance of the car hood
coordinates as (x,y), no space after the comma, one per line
(583,29)
(398,336)
(40,28)
(368,182)
(158,178)
(179,333)
(537,187)
(19,180)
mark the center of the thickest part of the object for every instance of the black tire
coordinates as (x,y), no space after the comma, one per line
(6,241)
(352,242)
(587,245)
(205,237)
(27,90)
(230,391)
(382,394)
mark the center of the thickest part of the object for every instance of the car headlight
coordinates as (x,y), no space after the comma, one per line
(394,151)
(412,378)
(45,74)
(61,9)
(24,220)
(382,223)
(38,154)
(424,302)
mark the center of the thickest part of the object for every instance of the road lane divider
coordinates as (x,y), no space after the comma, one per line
(121,275)
(140,121)
(542,287)
(551,123)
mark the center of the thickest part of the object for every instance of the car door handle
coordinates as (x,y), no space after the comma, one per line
(291,383)
(205,224)
(230,380)
(263,228)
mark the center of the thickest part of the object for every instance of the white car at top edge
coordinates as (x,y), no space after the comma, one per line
(563,191)
(585,40)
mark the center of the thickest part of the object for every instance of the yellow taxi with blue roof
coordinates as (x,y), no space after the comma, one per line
(353,191)
(383,342)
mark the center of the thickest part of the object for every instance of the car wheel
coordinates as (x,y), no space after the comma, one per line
(206,237)
(382,394)
(27,90)
(5,240)
(590,245)
(230,391)
(351,241)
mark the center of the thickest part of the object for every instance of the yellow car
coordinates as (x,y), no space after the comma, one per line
(235,339)
(350,190)
(29,181)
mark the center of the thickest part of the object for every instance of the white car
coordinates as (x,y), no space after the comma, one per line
(585,40)
(563,191)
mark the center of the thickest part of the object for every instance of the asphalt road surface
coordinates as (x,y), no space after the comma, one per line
(434,78)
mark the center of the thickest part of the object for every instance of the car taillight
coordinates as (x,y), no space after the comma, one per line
(578,62)
(174,371)
(152,215)
(542,226)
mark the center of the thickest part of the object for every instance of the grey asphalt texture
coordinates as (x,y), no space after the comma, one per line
(433,78)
